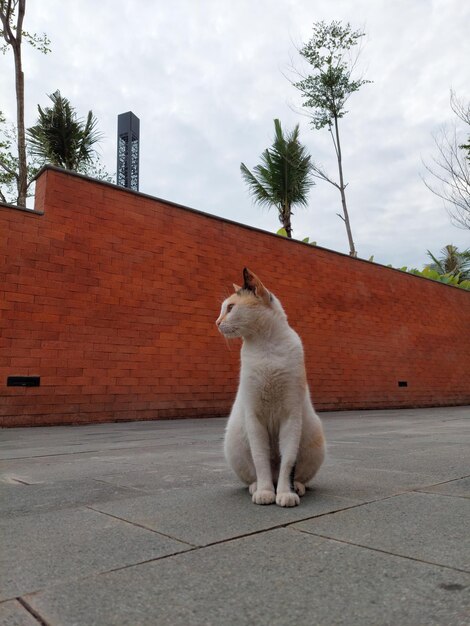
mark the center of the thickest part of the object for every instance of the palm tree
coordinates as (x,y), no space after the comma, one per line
(61,138)
(283,178)
(452,262)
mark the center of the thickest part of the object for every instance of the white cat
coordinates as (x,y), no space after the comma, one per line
(273,433)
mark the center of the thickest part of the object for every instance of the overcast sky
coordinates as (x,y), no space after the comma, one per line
(207,78)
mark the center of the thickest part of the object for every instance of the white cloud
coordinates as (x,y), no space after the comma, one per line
(207,79)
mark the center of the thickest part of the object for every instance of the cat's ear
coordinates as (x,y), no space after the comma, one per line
(237,288)
(253,283)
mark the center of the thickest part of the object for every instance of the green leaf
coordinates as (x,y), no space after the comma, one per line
(282,232)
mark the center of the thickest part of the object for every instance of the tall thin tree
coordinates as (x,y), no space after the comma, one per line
(12,14)
(283,178)
(326,90)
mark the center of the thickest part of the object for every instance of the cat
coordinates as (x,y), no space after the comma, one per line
(274,440)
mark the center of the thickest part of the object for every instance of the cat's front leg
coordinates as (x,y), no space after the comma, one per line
(289,440)
(260,451)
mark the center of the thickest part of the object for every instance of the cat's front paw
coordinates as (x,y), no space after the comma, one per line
(263,497)
(287,498)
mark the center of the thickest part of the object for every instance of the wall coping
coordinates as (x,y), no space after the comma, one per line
(225,220)
(5,205)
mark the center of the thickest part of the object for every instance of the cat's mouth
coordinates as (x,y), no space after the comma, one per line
(228,331)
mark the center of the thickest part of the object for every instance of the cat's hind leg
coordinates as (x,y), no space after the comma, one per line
(311,449)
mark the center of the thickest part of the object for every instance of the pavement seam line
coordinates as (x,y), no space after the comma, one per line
(146,562)
(104,450)
(116,485)
(285,525)
(382,551)
(242,536)
(451,480)
(229,539)
(305,519)
(438,493)
(193,548)
(32,611)
(16,480)
(137,525)
(43,456)
(444,482)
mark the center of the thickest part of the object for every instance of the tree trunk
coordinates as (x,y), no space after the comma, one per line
(352,249)
(22,165)
(19,81)
(13,37)
(288,228)
(285,219)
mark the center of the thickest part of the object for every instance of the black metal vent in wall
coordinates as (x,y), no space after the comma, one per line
(403,383)
(23,381)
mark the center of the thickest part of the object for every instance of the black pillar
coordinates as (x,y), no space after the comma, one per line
(128,151)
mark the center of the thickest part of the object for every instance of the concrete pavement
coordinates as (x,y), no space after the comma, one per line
(142,523)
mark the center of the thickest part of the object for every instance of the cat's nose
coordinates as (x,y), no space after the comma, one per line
(217,322)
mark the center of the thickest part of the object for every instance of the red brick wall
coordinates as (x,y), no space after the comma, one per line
(111,296)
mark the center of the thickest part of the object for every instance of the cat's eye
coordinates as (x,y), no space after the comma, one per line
(230,307)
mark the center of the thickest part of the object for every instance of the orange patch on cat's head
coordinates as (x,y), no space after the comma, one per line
(244,298)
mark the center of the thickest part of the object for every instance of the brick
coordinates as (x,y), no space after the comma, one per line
(115,298)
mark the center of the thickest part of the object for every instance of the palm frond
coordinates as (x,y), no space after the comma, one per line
(61,138)
(452,262)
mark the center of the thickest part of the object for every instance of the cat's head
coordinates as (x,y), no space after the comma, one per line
(249,310)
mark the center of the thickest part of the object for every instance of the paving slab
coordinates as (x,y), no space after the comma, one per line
(201,515)
(45,548)
(20,499)
(12,613)
(47,439)
(57,468)
(89,538)
(424,526)
(161,457)
(201,466)
(351,479)
(279,578)
(442,464)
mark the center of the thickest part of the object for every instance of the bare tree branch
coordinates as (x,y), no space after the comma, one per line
(450,169)
(319,172)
